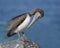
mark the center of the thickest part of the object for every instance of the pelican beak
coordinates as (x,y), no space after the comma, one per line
(35,18)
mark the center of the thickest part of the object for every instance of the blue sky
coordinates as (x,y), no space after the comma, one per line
(45,31)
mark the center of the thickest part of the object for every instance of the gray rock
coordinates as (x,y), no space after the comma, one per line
(23,42)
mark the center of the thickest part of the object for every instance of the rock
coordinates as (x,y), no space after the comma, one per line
(23,42)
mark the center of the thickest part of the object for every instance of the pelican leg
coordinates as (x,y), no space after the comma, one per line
(23,34)
(18,34)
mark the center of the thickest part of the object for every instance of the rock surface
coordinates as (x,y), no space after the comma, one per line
(23,42)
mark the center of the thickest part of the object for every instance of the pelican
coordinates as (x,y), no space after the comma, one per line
(21,22)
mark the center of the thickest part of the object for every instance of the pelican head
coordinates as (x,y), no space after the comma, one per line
(37,10)
(37,13)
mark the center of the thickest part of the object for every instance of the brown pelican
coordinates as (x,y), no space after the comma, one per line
(19,23)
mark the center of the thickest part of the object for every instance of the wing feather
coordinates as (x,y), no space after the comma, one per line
(14,22)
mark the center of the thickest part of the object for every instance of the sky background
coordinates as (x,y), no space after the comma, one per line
(46,31)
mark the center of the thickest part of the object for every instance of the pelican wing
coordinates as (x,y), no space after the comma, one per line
(14,22)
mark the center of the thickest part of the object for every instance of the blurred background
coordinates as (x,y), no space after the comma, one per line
(46,31)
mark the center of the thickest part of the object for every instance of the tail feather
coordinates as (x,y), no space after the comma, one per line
(9,34)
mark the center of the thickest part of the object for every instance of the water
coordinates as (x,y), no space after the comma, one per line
(45,31)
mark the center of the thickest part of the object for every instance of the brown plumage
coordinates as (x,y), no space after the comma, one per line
(15,22)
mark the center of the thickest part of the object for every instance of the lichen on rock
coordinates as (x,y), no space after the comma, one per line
(23,42)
